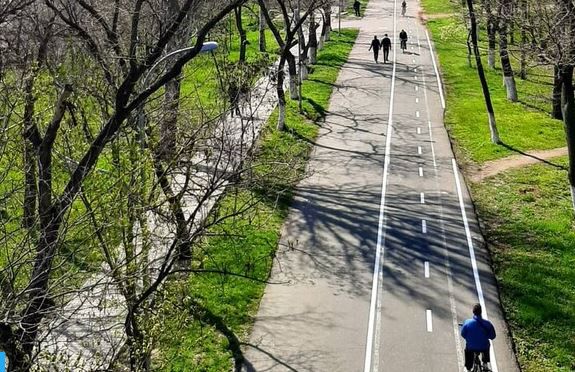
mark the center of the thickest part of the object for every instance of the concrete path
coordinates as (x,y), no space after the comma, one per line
(380,256)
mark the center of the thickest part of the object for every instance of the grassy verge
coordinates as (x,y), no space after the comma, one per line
(529,223)
(203,315)
(526,212)
(522,126)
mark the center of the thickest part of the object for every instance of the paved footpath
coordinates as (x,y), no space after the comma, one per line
(380,257)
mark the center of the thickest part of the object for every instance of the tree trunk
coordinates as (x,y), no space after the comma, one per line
(492,41)
(523,58)
(30,158)
(492,124)
(169,124)
(312,40)
(568,108)
(557,110)
(293,77)
(508,78)
(242,32)
(262,31)
(281,95)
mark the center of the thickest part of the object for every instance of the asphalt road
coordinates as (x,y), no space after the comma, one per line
(380,256)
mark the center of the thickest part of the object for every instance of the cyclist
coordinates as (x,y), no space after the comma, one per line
(403,39)
(403,7)
(477,332)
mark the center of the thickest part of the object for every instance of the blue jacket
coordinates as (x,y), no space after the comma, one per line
(477,332)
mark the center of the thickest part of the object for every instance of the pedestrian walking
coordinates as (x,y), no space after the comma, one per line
(357,7)
(386,46)
(403,8)
(375,45)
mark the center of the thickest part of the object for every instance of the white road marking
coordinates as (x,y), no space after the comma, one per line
(419,150)
(440,85)
(374,323)
(415,77)
(420,172)
(426,269)
(472,254)
(424,226)
(416,99)
(416,114)
(418,130)
(416,88)
(413,60)
(428,317)
(422,198)
(452,305)
(415,70)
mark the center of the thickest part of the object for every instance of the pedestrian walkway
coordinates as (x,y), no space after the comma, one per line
(380,256)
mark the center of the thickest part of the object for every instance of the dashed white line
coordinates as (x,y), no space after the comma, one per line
(426,269)
(416,99)
(416,114)
(416,88)
(420,172)
(429,320)
(415,77)
(418,130)
(422,198)
(418,150)
(424,226)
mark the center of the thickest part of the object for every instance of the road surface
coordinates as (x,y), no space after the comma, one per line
(380,256)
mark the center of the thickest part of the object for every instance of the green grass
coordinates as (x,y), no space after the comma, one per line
(351,11)
(193,329)
(530,226)
(520,126)
(440,6)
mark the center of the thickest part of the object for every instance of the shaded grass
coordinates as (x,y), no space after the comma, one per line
(204,313)
(520,125)
(530,226)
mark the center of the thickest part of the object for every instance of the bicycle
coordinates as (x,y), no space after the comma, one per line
(477,366)
(403,45)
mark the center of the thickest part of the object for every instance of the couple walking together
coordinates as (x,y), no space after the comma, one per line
(385,44)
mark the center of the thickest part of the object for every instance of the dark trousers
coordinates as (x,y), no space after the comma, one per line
(375,54)
(385,54)
(469,357)
(357,11)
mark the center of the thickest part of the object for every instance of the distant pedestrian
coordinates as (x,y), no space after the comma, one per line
(386,46)
(403,8)
(356,7)
(403,40)
(375,45)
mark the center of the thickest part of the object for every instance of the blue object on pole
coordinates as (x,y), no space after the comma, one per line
(2,361)
(209,46)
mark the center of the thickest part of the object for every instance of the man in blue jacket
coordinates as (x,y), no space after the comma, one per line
(477,332)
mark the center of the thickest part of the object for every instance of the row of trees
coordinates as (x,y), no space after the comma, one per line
(546,33)
(110,162)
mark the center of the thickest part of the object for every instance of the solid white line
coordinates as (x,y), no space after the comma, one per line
(422,198)
(424,226)
(419,150)
(416,114)
(472,254)
(429,320)
(426,269)
(420,172)
(375,303)
(440,85)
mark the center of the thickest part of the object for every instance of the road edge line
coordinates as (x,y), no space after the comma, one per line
(439,83)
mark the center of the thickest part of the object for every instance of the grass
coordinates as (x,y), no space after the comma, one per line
(351,11)
(530,227)
(198,331)
(527,212)
(520,126)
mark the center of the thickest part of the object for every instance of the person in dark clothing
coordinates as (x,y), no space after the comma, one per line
(403,40)
(375,45)
(403,7)
(477,332)
(386,46)
(356,7)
